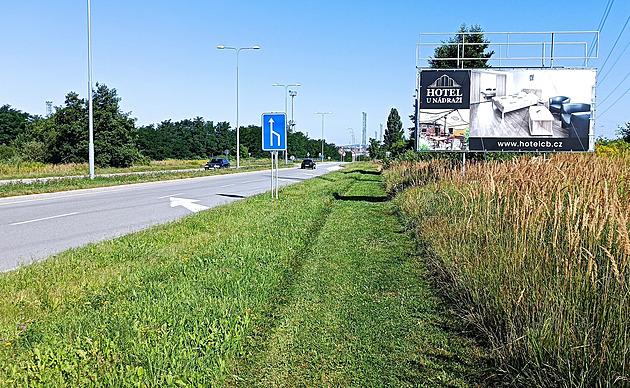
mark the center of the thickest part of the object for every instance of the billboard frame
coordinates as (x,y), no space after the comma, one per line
(569,128)
(536,50)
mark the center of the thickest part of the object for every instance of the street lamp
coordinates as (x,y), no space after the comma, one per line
(323,113)
(292,93)
(351,133)
(286,87)
(90,103)
(238,138)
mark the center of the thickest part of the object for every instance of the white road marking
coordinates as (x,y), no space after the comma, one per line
(231,184)
(43,219)
(188,204)
(172,195)
(6,201)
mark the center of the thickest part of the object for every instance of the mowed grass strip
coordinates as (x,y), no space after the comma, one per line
(169,306)
(361,312)
(307,290)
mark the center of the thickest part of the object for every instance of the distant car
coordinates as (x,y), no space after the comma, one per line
(308,163)
(217,163)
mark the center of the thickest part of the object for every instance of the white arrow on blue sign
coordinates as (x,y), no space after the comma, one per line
(274,132)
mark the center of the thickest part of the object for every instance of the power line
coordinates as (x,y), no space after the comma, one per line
(617,87)
(613,104)
(615,45)
(613,65)
(602,21)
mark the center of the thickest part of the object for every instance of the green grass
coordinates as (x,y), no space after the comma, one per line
(30,170)
(361,311)
(305,290)
(156,174)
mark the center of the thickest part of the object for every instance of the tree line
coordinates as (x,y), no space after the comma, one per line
(63,136)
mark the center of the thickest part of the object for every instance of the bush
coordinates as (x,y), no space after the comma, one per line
(6,152)
(34,151)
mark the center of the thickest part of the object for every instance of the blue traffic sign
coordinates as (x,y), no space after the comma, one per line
(274,132)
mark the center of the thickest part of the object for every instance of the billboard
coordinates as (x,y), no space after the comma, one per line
(516,109)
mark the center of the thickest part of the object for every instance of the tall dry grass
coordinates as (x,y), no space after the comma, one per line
(537,253)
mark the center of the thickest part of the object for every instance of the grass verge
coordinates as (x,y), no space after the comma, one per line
(361,311)
(33,170)
(55,185)
(305,290)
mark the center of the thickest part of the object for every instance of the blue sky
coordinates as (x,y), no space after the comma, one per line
(350,56)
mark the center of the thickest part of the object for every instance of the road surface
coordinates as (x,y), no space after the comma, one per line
(33,227)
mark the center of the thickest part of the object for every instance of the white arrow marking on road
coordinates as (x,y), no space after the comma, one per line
(272,133)
(188,204)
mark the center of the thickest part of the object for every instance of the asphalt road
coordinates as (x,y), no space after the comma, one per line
(33,227)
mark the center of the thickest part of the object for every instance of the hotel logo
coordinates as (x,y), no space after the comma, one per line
(445,82)
(442,89)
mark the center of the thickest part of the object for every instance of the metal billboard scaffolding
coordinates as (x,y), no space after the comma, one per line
(536,93)
(518,49)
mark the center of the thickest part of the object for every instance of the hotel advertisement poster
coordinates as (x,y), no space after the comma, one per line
(511,110)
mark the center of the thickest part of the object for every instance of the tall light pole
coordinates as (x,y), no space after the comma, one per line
(323,114)
(351,133)
(90,104)
(286,87)
(238,137)
(292,93)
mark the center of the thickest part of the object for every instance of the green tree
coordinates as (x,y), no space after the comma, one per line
(12,124)
(394,132)
(376,150)
(70,132)
(114,131)
(469,42)
(63,137)
(38,140)
(624,132)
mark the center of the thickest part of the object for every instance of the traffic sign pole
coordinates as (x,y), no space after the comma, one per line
(277,172)
(274,139)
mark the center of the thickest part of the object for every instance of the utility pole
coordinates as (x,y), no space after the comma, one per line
(292,93)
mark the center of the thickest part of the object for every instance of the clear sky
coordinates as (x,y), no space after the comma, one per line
(350,56)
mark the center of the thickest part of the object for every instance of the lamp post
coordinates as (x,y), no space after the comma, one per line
(292,93)
(323,114)
(351,133)
(90,104)
(286,87)
(238,137)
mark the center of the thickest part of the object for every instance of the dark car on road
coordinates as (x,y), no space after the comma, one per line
(308,163)
(217,163)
